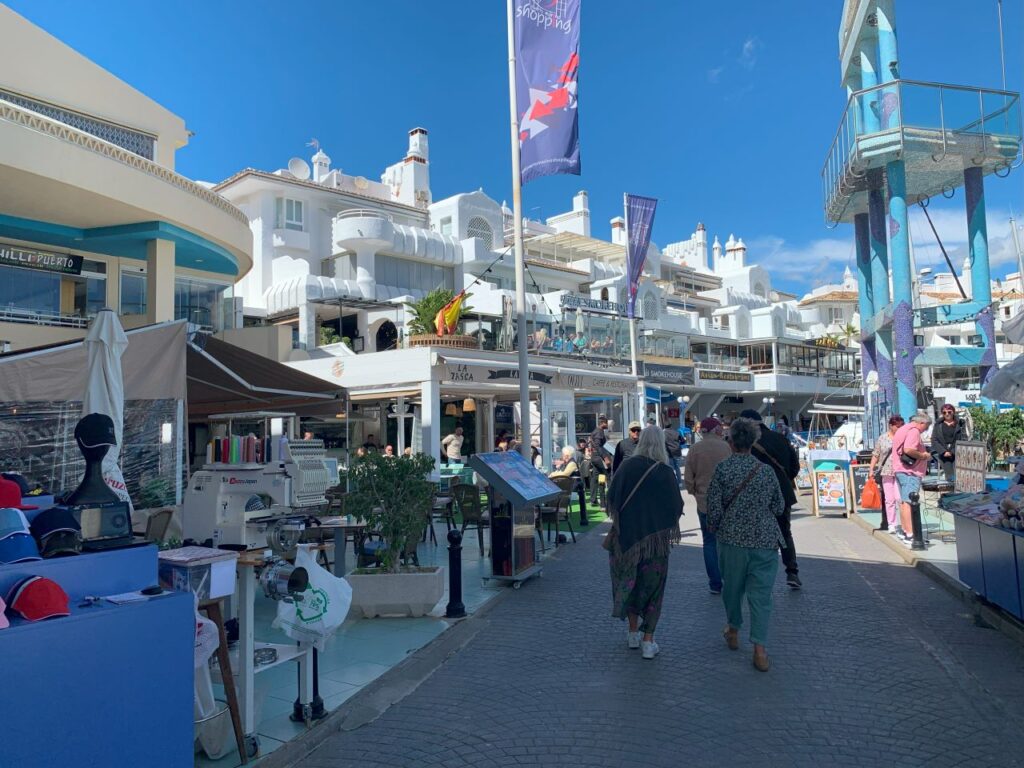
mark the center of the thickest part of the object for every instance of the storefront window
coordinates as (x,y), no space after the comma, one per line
(199,301)
(133,293)
(590,409)
(29,290)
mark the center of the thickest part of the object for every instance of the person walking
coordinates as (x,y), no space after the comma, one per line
(452,446)
(701,462)
(882,470)
(645,506)
(625,447)
(745,504)
(945,435)
(675,452)
(909,466)
(777,452)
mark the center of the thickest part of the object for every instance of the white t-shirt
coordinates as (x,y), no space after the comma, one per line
(453,446)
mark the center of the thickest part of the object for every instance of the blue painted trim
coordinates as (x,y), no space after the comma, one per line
(941,357)
(126,241)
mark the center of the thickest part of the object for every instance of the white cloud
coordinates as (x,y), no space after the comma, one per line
(715,75)
(802,265)
(748,54)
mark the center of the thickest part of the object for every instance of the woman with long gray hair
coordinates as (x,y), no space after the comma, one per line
(645,506)
(744,502)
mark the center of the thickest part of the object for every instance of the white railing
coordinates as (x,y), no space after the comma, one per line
(363,213)
(34,121)
(31,317)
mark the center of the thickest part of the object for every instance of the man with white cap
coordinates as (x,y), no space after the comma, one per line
(701,461)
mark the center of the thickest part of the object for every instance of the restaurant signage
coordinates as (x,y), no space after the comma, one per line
(669,374)
(465,373)
(588,304)
(839,382)
(64,263)
(745,378)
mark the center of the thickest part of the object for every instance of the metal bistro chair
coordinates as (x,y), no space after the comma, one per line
(467,499)
(559,512)
(156,526)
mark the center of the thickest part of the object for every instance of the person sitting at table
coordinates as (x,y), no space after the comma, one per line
(571,469)
(389,451)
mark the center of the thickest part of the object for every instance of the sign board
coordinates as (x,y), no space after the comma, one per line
(463,373)
(669,374)
(514,478)
(744,378)
(803,478)
(830,489)
(588,304)
(860,474)
(28,258)
(970,465)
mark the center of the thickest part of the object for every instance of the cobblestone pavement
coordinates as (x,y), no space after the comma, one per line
(873,664)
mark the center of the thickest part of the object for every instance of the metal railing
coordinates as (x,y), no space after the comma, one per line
(32,317)
(363,213)
(891,109)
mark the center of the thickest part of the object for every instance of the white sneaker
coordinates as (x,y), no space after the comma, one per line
(893,531)
(650,650)
(633,640)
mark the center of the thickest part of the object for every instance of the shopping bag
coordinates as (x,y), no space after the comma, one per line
(870,497)
(322,607)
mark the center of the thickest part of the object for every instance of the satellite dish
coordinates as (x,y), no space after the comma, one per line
(361,182)
(298,168)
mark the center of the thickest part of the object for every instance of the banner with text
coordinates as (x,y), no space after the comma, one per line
(639,221)
(547,44)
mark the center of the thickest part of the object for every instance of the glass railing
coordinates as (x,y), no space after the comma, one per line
(941,114)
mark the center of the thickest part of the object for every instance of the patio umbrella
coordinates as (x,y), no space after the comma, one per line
(104,388)
(1007,386)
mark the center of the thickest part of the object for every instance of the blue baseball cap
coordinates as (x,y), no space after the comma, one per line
(18,548)
(12,521)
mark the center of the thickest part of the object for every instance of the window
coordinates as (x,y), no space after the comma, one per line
(954,340)
(289,214)
(446,225)
(198,301)
(481,230)
(133,293)
(406,275)
(29,290)
(650,307)
(327,267)
(835,315)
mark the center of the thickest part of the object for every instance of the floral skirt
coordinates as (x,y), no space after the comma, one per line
(639,590)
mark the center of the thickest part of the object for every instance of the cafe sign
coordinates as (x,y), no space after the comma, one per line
(464,373)
(588,304)
(743,378)
(669,374)
(27,258)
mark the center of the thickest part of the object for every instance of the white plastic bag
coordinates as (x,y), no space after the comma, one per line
(323,607)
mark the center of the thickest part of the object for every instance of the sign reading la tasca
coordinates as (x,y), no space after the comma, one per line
(65,263)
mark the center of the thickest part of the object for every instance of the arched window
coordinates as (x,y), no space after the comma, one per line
(650,307)
(760,291)
(481,230)
(387,336)
(604,294)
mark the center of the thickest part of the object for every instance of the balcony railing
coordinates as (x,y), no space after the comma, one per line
(31,317)
(363,213)
(935,127)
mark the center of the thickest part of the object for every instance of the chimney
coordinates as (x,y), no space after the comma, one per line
(580,201)
(418,144)
(619,230)
(321,166)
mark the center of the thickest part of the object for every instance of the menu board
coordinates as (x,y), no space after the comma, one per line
(861,473)
(830,490)
(971,465)
(803,478)
(514,478)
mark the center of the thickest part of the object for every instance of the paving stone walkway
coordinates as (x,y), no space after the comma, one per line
(873,665)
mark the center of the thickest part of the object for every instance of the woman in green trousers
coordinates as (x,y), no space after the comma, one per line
(744,500)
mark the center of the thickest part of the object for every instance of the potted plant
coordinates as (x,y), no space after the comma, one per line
(422,323)
(395,498)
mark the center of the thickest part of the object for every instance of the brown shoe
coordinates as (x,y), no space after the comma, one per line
(732,638)
(761,663)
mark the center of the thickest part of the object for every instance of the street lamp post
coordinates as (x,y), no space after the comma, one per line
(768,402)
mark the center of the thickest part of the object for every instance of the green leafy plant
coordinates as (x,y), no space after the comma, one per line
(328,336)
(1002,430)
(425,310)
(155,493)
(395,497)
(848,333)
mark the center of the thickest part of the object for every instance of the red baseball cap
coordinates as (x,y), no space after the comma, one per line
(10,495)
(37,598)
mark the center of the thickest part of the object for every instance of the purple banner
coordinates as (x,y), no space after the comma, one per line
(639,220)
(547,38)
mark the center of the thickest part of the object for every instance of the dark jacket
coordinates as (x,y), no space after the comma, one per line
(777,452)
(672,444)
(623,450)
(939,443)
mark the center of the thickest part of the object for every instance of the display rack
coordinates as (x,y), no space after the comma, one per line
(520,488)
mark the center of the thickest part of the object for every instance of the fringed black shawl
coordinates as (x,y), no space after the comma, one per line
(649,523)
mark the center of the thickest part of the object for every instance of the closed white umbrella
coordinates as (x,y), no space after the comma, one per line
(1007,386)
(104,388)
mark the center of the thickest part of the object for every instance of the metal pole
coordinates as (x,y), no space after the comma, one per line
(1002,53)
(517,239)
(455,608)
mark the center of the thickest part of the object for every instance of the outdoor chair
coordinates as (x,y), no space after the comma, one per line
(156,526)
(467,499)
(558,512)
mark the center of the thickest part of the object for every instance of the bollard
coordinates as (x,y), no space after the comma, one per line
(316,706)
(915,521)
(455,609)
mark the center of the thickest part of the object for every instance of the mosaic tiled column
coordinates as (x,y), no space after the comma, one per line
(904,351)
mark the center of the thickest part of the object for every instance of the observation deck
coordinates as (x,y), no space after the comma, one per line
(937,129)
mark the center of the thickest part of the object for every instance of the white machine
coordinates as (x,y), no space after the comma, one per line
(240,504)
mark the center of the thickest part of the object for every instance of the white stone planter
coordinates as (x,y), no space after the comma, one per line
(396,594)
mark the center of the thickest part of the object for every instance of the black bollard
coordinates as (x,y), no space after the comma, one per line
(316,706)
(915,522)
(455,609)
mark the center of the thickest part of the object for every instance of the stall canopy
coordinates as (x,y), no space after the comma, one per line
(223,377)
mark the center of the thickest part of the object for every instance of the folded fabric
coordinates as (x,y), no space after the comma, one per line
(18,548)
(4,623)
(12,521)
(37,598)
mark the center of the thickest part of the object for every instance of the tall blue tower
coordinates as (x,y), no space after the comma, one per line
(899,143)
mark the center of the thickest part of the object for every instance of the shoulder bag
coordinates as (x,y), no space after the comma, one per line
(760,449)
(609,539)
(738,491)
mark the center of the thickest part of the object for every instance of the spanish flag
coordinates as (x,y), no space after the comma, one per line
(448,316)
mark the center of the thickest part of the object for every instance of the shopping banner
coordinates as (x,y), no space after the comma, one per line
(547,44)
(639,220)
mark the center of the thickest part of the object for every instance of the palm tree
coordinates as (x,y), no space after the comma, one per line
(848,333)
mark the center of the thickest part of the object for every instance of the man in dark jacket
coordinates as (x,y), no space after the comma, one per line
(775,450)
(625,447)
(674,451)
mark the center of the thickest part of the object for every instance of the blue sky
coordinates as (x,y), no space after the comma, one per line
(723,111)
